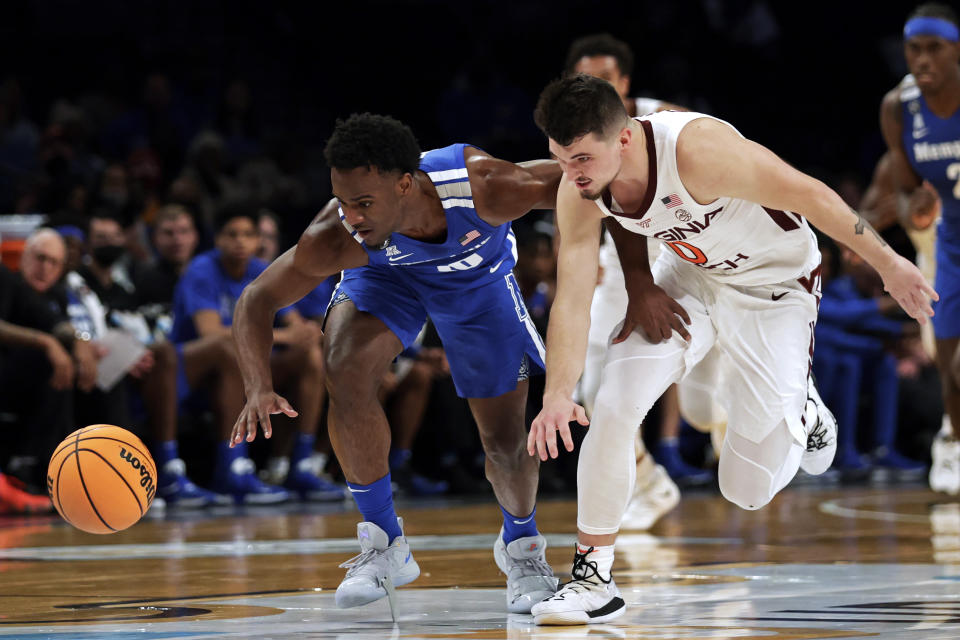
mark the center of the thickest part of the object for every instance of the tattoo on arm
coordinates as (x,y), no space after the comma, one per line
(861,224)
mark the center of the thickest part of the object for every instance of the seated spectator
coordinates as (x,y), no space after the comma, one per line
(37,371)
(269,227)
(97,298)
(203,314)
(174,241)
(857,330)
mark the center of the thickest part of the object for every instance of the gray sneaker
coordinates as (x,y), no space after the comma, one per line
(378,569)
(529,577)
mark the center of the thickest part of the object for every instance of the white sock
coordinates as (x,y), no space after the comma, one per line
(946,428)
(603,556)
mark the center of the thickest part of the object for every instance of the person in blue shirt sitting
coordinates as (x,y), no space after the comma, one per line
(203,308)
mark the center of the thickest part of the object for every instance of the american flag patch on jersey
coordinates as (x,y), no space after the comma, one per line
(469,237)
(672,200)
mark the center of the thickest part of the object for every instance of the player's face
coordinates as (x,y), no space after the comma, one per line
(931,60)
(370,201)
(590,162)
(605,68)
(238,240)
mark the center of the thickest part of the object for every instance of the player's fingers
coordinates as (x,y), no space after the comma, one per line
(285,407)
(265,425)
(542,444)
(678,309)
(930,291)
(251,425)
(566,437)
(625,331)
(532,440)
(681,328)
(235,435)
(580,414)
(552,441)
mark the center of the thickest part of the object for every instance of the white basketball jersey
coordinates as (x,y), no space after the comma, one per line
(736,241)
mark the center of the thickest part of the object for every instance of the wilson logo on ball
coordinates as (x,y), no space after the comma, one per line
(146,480)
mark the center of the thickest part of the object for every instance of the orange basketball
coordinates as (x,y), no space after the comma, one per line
(101,479)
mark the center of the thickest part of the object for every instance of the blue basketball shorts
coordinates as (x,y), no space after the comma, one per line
(946,319)
(489,338)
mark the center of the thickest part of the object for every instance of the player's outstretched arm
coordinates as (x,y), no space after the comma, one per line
(715,161)
(578,222)
(324,249)
(504,191)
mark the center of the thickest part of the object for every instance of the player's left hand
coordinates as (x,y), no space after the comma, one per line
(554,418)
(656,313)
(909,288)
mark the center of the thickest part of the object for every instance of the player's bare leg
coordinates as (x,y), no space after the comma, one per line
(519,550)
(358,350)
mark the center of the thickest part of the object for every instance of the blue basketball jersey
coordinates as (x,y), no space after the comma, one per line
(474,253)
(933,148)
(464,284)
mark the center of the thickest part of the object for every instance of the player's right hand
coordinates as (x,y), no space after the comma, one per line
(656,313)
(556,414)
(258,409)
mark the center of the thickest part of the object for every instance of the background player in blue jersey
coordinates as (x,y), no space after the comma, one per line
(920,119)
(417,235)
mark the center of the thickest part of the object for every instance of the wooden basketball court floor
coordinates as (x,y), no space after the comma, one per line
(817,563)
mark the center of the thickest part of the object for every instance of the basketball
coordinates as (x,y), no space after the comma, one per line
(101,479)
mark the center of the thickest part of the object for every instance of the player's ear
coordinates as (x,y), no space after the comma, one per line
(404,184)
(625,137)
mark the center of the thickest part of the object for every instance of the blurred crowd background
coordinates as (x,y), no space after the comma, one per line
(157,126)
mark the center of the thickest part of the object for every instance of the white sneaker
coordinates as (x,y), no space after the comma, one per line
(378,569)
(945,470)
(653,497)
(821,433)
(529,577)
(587,599)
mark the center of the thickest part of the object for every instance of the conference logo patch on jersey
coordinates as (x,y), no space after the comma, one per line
(672,200)
(393,250)
(468,237)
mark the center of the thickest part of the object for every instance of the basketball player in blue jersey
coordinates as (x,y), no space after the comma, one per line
(920,120)
(415,235)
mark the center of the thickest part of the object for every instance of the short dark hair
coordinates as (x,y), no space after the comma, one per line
(600,44)
(934,10)
(103,213)
(574,106)
(233,210)
(369,140)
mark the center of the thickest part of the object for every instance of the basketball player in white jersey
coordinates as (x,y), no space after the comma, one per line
(655,493)
(744,267)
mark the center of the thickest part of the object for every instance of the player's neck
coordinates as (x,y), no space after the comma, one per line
(629,188)
(424,218)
